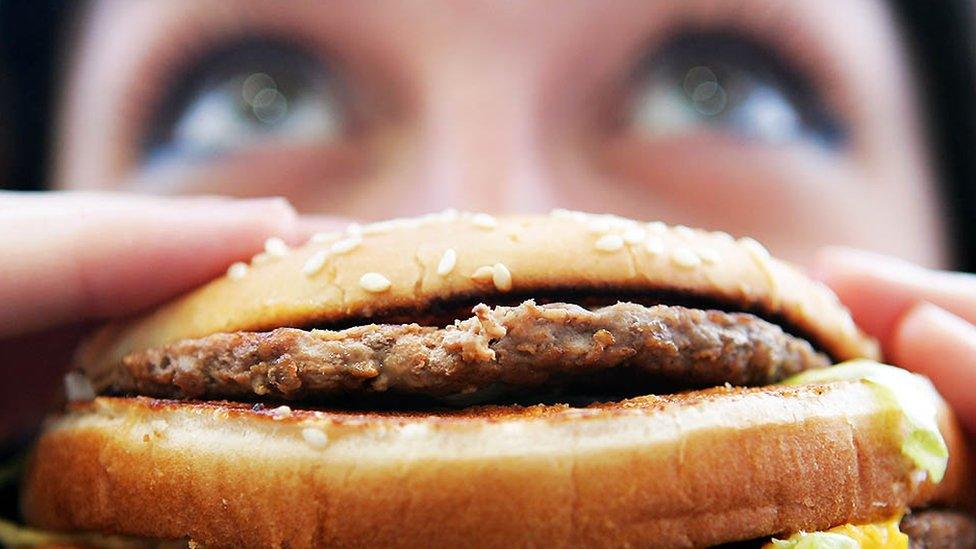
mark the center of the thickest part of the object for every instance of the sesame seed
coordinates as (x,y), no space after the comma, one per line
(395,224)
(571,215)
(315,438)
(237,270)
(450,214)
(319,238)
(379,227)
(484,221)
(275,247)
(684,231)
(599,226)
(657,227)
(620,223)
(501,277)
(281,412)
(346,245)
(754,248)
(315,263)
(654,245)
(723,236)
(374,283)
(609,243)
(447,262)
(634,235)
(483,273)
(708,255)
(429,218)
(684,257)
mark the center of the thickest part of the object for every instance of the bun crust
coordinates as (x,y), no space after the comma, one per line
(565,251)
(672,471)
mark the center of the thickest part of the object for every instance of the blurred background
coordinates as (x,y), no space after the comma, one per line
(803,123)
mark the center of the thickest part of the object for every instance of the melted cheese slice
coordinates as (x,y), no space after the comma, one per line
(880,535)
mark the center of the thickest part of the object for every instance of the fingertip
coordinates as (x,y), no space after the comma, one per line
(829,257)
(83,256)
(843,263)
(267,217)
(871,285)
(269,211)
(309,225)
(275,206)
(926,328)
(942,346)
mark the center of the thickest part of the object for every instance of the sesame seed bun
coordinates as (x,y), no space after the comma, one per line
(399,266)
(687,469)
(675,471)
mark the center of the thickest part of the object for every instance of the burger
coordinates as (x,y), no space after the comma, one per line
(460,379)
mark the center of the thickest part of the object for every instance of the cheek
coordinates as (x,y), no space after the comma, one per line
(793,199)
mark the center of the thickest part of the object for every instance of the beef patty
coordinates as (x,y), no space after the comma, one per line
(514,348)
(940,528)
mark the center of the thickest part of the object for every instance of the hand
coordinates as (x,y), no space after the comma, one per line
(924,319)
(69,261)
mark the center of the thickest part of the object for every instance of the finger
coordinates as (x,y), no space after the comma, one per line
(309,225)
(942,346)
(880,289)
(69,257)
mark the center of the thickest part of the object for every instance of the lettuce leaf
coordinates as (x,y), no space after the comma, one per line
(913,394)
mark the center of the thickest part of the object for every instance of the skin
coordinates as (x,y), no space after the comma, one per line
(524,111)
(511,120)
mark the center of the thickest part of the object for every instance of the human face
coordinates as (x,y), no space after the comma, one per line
(790,121)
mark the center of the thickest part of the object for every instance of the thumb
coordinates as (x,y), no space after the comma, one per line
(71,257)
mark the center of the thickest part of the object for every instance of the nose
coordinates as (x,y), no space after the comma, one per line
(481,143)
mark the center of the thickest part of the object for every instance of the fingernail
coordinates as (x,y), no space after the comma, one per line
(927,315)
(834,260)
(322,223)
(263,203)
(274,210)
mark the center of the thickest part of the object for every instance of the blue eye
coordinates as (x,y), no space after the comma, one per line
(249,95)
(724,82)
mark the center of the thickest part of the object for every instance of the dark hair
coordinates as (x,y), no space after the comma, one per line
(30,43)
(941,35)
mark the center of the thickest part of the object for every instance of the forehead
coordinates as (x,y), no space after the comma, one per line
(522,23)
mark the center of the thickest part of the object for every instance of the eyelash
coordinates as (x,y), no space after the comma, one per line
(786,33)
(168,59)
(175,57)
(780,27)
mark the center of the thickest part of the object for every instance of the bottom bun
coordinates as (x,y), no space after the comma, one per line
(682,470)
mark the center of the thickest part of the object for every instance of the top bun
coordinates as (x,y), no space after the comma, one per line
(406,266)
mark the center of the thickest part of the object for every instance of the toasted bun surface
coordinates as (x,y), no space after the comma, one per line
(694,469)
(567,251)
